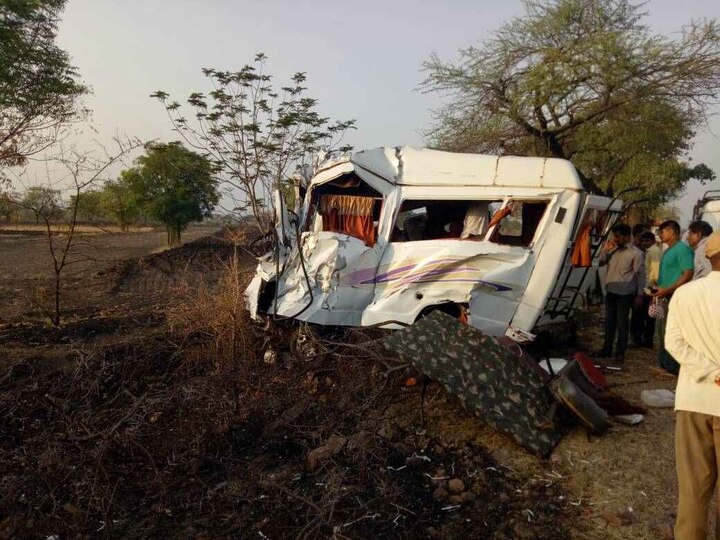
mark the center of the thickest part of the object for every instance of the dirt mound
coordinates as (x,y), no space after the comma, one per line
(155,275)
(27,278)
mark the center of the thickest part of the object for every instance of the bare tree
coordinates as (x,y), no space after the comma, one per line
(257,136)
(83,170)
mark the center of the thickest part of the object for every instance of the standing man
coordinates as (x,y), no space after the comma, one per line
(698,232)
(637,232)
(639,312)
(693,338)
(624,284)
(676,269)
(642,324)
(653,255)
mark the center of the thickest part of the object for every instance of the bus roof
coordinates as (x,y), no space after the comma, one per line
(405,165)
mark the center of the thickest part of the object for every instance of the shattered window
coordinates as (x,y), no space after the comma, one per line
(346,205)
(441,220)
(518,223)
(511,225)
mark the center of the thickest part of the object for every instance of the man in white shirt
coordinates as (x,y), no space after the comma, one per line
(476,220)
(693,338)
(698,232)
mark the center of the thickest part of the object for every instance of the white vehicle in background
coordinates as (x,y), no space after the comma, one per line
(387,235)
(708,209)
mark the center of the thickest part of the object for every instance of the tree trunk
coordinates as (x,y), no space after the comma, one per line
(173,236)
(56,315)
(589,184)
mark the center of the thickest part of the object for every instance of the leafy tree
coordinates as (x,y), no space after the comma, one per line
(586,81)
(42,201)
(39,88)
(665,212)
(641,146)
(8,210)
(118,204)
(89,205)
(174,185)
(256,135)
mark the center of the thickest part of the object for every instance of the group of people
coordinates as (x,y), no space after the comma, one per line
(677,284)
(642,271)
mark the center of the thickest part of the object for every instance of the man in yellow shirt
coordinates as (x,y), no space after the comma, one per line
(693,338)
(643,326)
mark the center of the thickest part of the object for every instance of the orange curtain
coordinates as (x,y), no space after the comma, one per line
(350,215)
(581,252)
(360,227)
(331,221)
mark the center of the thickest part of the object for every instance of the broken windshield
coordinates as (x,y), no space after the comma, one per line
(346,205)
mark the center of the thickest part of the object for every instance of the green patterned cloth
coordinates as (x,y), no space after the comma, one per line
(506,391)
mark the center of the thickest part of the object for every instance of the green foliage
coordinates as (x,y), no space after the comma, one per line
(256,135)
(172,185)
(664,212)
(42,202)
(642,145)
(8,209)
(89,205)
(38,86)
(584,80)
(118,203)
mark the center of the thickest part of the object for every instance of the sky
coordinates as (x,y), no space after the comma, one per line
(362,58)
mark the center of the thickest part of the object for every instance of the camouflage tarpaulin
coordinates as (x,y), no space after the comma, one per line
(503,389)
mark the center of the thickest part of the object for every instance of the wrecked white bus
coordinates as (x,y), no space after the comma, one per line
(387,235)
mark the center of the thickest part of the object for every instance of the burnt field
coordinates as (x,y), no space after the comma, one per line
(159,410)
(26,267)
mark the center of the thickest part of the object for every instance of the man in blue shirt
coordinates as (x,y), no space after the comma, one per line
(676,269)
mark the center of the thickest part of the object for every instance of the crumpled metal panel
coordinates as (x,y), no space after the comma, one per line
(507,392)
(328,258)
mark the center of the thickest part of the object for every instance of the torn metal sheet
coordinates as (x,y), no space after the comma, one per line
(507,391)
(319,280)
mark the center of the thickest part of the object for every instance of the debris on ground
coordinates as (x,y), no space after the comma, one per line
(505,387)
(507,391)
(658,398)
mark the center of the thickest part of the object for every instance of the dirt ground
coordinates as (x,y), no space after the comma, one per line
(26,267)
(137,419)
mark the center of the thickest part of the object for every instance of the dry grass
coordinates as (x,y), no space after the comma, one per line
(217,313)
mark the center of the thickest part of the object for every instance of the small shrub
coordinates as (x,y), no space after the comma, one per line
(216,313)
